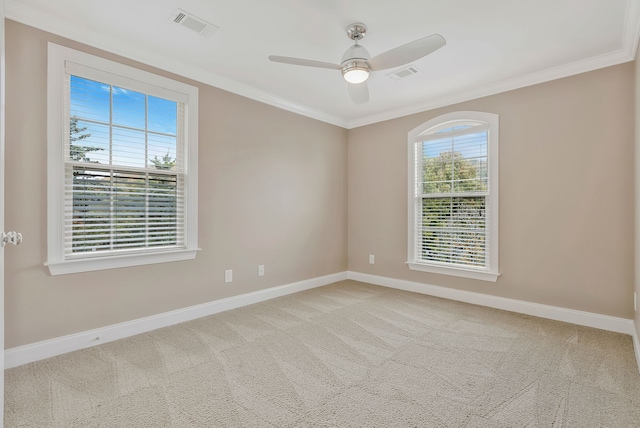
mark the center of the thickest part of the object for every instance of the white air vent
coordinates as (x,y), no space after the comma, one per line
(403,72)
(193,23)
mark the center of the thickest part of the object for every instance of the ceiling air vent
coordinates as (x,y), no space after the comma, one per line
(196,24)
(403,72)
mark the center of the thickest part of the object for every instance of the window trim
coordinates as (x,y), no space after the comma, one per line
(58,264)
(491,272)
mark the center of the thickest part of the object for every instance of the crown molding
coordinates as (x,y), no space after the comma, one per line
(17,11)
(32,17)
(494,88)
(631,34)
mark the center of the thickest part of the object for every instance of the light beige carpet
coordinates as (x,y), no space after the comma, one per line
(344,355)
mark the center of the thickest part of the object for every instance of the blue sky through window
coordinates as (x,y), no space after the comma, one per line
(124,124)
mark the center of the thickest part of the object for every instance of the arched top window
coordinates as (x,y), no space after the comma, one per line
(453,196)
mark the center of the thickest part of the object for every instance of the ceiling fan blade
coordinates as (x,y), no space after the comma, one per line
(407,53)
(304,62)
(359,92)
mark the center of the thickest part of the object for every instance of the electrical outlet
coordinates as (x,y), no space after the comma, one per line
(260,270)
(372,259)
(228,275)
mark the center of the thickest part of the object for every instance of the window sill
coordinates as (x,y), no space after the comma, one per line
(445,270)
(120,261)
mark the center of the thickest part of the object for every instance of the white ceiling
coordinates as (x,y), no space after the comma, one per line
(492,45)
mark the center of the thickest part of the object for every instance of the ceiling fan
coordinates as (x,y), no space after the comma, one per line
(356,64)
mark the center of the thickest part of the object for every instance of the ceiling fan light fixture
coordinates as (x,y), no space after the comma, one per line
(355,72)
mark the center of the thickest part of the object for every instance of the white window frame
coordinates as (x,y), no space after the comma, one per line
(491,271)
(59,58)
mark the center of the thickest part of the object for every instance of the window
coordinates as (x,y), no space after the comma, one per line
(453,196)
(122,165)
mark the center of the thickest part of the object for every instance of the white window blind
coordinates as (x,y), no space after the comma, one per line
(451,198)
(453,187)
(122,165)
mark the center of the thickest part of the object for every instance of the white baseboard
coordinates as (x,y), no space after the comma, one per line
(49,348)
(588,319)
(636,346)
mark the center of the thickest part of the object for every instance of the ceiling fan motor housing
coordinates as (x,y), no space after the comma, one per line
(355,53)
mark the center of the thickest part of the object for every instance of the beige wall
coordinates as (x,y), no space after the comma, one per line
(274,186)
(637,193)
(272,191)
(566,194)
